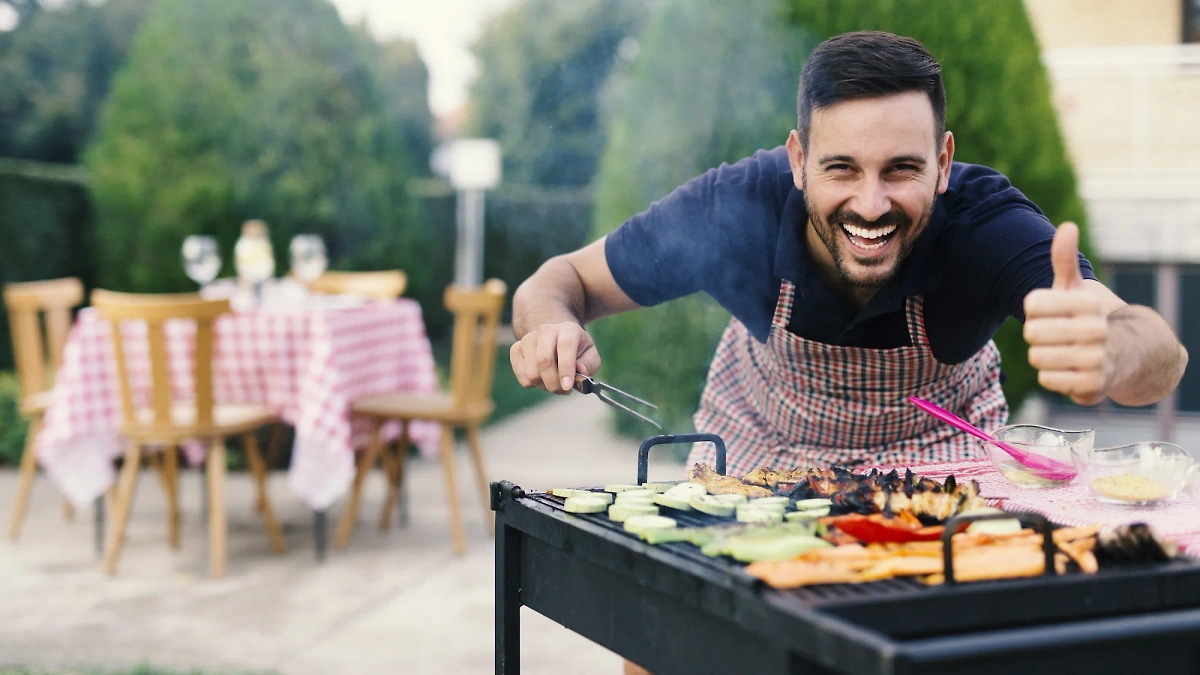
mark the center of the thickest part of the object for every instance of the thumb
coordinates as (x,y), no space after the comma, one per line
(1064,256)
(588,360)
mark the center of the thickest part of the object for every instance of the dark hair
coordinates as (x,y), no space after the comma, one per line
(868,64)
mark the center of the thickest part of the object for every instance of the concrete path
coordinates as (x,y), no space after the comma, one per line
(393,602)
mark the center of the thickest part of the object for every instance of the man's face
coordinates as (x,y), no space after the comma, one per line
(870,178)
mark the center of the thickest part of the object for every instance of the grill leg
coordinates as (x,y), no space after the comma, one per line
(319,522)
(98,525)
(508,600)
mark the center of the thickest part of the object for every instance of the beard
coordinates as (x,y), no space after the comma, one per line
(830,230)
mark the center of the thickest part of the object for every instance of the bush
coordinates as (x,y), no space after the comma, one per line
(46,225)
(257,109)
(13,425)
(730,87)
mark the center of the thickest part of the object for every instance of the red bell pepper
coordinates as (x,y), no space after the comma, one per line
(877,530)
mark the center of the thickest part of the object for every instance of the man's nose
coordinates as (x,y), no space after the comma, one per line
(872,201)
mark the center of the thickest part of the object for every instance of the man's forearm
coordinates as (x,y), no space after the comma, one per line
(554,294)
(1148,360)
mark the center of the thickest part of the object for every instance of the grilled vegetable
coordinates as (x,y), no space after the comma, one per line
(732,499)
(807,514)
(759,515)
(640,524)
(665,536)
(877,529)
(658,487)
(635,494)
(713,506)
(621,512)
(686,490)
(621,488)
(572,492)
(814,504)
(1136,543)
(673,501)
(584,504)
(782,501)
(750,549)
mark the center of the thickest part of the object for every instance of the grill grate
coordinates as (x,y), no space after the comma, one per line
(811,595)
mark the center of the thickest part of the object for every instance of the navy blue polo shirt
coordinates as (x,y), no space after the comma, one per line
(735,231)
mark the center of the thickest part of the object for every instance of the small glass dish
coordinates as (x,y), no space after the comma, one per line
(1193,485)
(1137,474)
(1056,444)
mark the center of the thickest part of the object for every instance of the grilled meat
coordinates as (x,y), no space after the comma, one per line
(716,484)
(887,493)
(771,478)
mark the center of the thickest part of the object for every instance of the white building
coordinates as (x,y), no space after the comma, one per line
(1126,80)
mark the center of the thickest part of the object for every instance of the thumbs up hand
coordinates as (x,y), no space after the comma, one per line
(1066,328)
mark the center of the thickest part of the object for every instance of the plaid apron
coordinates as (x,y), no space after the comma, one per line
(792,402)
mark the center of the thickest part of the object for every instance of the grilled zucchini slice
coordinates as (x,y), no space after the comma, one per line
(713,506)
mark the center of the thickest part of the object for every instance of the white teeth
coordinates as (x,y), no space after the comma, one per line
(864,233)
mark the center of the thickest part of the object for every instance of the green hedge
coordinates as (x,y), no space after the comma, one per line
(46,227)
(721,81)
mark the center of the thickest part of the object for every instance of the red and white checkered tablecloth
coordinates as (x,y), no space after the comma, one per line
(1072,504)
(309,365)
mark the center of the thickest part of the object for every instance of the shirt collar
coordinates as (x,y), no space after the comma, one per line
(921,273)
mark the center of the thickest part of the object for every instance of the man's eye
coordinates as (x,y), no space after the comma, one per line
(905,168)
(838,167)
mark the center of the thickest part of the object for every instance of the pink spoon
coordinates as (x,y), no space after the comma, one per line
(1043,466)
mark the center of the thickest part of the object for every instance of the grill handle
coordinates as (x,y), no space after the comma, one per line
(952,525)
(669,439)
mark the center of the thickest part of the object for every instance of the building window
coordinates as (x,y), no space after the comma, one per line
(1191,20)
(1188,393)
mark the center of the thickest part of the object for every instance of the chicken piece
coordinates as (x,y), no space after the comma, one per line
(716,484)
(771,478)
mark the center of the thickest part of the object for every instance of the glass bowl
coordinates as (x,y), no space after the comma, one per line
(1138,474)
(1057,444)
(1193,485)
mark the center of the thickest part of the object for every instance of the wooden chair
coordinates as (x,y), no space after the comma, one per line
(384,285)
(167,422)
(38,357)
(467,405)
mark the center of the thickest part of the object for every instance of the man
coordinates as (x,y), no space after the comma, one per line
(861,266)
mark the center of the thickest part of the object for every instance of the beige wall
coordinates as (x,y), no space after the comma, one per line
(1099,23)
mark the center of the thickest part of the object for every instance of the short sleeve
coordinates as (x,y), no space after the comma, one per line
(1002,252)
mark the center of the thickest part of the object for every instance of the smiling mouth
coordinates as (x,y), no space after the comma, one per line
(869,239)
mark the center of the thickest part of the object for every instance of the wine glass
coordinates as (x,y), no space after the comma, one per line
(308,257)
(201,259)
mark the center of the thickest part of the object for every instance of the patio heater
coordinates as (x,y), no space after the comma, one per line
(472,165)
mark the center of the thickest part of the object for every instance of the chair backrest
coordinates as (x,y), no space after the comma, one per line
(382,285)
(155,311)
(473,356)
(38,355)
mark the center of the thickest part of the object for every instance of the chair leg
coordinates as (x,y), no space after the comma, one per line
(456,530)
(366,462)
(259,469)
(489,518)
(170,474)
(25,483)
(274,445)
(68,510)
(395,473)
(123,502)
(216,508)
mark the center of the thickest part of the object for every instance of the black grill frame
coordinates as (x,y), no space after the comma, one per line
(673,610)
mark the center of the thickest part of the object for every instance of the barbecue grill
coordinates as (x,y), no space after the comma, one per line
(672,609)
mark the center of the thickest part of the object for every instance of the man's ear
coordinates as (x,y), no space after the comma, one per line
(945,161)
(796,158)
